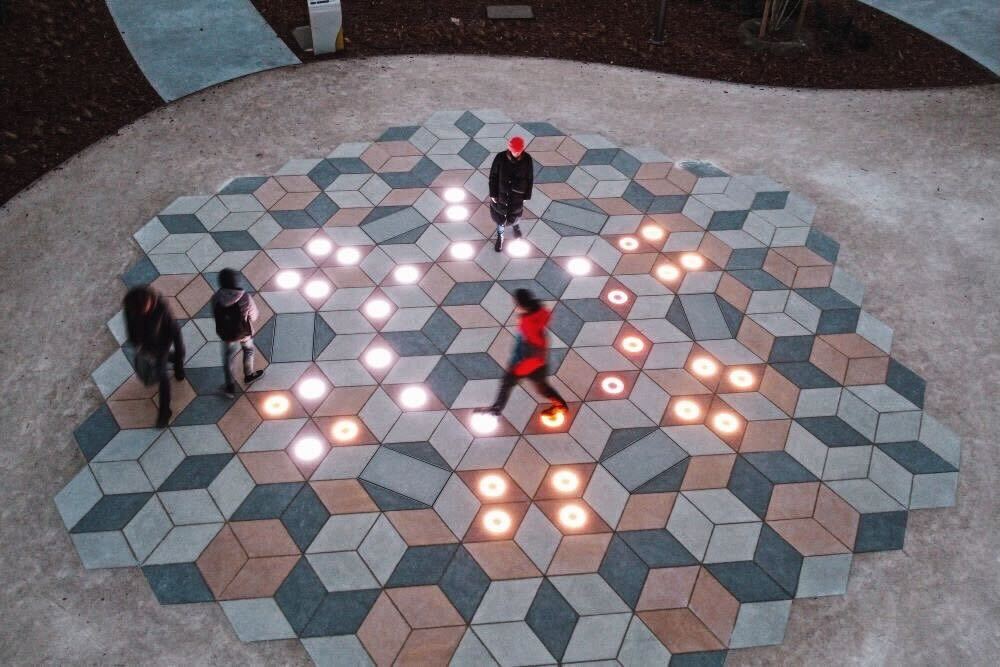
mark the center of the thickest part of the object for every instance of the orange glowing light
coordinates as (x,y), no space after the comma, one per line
(572,516)
(612,385)
(492,486)
(496,521)
(692,260)
(276,405)
(632,344)
(741,378)
(617,297)
(668,272)
(565,481)
(344,430)
(687,410)
(652,233)
(704,367)
(554,420)
(726,422)
(628,243)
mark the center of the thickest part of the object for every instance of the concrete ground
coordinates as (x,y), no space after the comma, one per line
(906,181)
(971,26)
(183,46)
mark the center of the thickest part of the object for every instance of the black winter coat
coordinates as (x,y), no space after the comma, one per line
(511,180)
(154,332)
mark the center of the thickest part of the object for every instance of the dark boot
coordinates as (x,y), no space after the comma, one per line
(247,379)
(517,231)
(498,246)
(163,419)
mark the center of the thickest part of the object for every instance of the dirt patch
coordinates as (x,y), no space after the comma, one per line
(853,45)
(66,80)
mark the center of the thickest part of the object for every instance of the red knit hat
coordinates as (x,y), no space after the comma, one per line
(516,145)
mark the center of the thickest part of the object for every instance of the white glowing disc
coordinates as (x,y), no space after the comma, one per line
(518,248)
(454,195)
(565,481)
(308,449)
(628,243)
(462,250)
(726,422)
(496,521)
(632,344)
(413,397)
(344,430)
(492,486)
(456,213)
(378,357)
(348,255)
(317,289)
(668,272)
(704,366)
(612,385)
(687,410)
(741,378)
(276,405)
(692,260)
(572,516)
(319,247)
(288,279)
(311,388)
(406,274)
(579,266)
(484,422)
(617,297)
(377,308)
(652,233)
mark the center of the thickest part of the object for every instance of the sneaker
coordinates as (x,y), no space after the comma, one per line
(498,246)
(253,376)
(229,390)
(517,231)
(164,419)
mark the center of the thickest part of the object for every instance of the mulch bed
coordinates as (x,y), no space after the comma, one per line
(66,80)
(878,51)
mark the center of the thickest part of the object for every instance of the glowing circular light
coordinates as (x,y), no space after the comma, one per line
(572,516)
(554,420)
(454,195)
(319,247)
(344,430)
(687,410)
(617,297)
(484,422)
(308,449)
(413,397)
(462,250)
(406,274)
(311,389)
(741,378)
(496,521)
(668,272)
(612,385)
(377,308)
(632,344)
(565,481)
(492,486)
(692,260)
(704,366)
(317,289)
(652,233)
(628,243)
(518,248)
(348,255)
(456,212)
(579,266)
(288,279)
(378,357)
(726,422)
(276,405)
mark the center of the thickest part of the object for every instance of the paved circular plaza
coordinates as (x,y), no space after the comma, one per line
(907,192)
(737,427)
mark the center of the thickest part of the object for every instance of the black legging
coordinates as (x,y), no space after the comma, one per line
(538,377)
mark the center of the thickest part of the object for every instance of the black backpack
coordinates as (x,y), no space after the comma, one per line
(230,324)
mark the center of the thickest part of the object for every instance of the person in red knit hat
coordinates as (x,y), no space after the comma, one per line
(530,355)
(511,179)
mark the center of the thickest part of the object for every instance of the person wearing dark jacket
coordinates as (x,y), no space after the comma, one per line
(153,331)
(529,359)
(511,179)
(235,312)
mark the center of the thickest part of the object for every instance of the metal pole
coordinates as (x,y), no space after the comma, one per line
(657,38)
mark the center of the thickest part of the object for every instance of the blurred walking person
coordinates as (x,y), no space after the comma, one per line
(235,312)
(157,339)
(511,179)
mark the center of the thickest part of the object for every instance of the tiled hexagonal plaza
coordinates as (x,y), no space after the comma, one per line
(737,427)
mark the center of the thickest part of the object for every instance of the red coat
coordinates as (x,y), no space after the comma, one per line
(532,349)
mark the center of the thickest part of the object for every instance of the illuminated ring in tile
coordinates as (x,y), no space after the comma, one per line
(518,248)
(413,397)
(378,357)
(377,308)
(628,243)
(565,481)
(406,274)
(554,421)
(288,279)
(454,195)
(492,486)
(496,521)
(572,516)
(344,430)
(307,449)
(612,385)
(319,247)
(668,272)
(484,422)
(741,378)
(317,289)
(692,261)
(687,410)
(632,344)
(462,250)
(579,266)
(348,255)
(652,233)
(704,367)
(457,213)
(276,405)
(311,388)
(726,422)
(617,297)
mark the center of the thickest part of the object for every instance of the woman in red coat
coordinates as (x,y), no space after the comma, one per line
(530,355)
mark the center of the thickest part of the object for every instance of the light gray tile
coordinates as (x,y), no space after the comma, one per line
(640,462)
(407,476)
(589,594)
(101,550)
(538,538)
(231,487)
(824,575)
(184,544)
(78,497)
(606,496)
(342,532)
(121,477)
(190,507)
(513,644)
(760,624)
(507,601)
(342,651)
(382,549)
(597,637)
(641,647)
(147,528)
(257,619)
(342,571)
